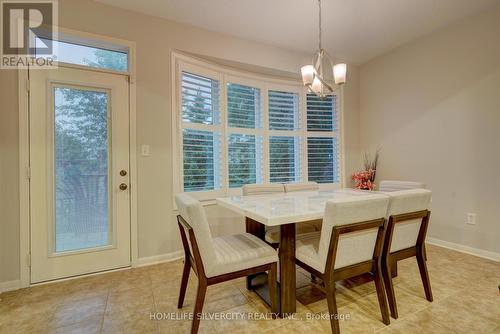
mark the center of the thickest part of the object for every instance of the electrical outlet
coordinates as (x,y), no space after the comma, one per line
(471,219)
(145,150)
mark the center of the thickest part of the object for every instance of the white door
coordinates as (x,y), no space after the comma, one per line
(79,159)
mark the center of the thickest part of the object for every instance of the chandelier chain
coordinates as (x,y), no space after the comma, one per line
(319,21)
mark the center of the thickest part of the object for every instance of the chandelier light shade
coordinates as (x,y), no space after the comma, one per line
(340,73)
(313,75)
(308,73)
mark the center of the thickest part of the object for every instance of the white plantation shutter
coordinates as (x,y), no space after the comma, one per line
(283,110)
(262,131)
(322,159)
(321,113)
(284,150)
(284,159)
(243,106)
(244,144)
(200,99)
(244,164)
(322,151)
(201,136)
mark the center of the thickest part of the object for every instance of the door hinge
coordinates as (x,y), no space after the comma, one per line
(27,85)
(28,260)
(28,173)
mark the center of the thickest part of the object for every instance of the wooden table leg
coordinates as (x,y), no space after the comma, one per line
(287,269)
(257,229)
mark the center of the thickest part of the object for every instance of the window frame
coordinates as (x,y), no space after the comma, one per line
(181,62)
(257,132)
(329,134)
(298,89)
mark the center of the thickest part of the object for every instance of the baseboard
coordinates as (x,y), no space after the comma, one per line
(10,286)
(150,260)
(465,249)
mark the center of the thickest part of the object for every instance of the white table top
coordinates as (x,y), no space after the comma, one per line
(284,208)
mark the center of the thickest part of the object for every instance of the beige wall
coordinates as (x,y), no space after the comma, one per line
(434,107)
(9,178)
(155,39)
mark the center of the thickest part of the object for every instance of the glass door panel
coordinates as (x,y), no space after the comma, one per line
(82,165)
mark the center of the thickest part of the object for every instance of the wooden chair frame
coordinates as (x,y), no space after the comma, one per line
(389,259)
(372,266)
(194,261)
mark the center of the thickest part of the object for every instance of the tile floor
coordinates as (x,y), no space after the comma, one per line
(466,300)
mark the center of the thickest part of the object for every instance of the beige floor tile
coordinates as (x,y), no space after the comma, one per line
(415,324)
(301,327)
(245,319)
(356,320)
(71,312)
(184,326)
(458,317)
(89,326)
(407,303)
(24,321)
(223,303)
(129,300)
(136,323)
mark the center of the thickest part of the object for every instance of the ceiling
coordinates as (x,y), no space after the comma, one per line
(353,30)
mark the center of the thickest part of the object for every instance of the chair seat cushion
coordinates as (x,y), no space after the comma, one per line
(239,252)
(273,232)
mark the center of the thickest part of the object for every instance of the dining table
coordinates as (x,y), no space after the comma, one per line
(284,210)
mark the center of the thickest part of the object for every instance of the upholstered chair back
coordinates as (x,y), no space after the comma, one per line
(193,213)
(388,186)
(306,186)
(353,247)
(407,201)
(262,189)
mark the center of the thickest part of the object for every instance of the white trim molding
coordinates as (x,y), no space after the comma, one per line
(156,259)
(10,286)
(465,249)
(24,179)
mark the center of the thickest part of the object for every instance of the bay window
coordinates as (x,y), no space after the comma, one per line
(234,128)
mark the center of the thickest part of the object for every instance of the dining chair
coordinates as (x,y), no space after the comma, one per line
(272,233)
(408,219)
(349,244)
(388,186)
(305,186)
(263,189)
(219,259)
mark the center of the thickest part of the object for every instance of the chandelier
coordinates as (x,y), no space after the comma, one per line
(313,76)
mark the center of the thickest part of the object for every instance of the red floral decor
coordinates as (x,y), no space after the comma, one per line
(364,179)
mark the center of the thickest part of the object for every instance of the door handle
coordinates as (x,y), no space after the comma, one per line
(123,186)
